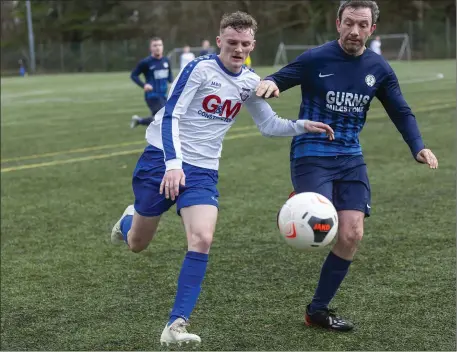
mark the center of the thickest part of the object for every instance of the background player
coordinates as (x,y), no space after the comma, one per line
(375,45)
(338,81)
(157,72)
(186,57)
(206,48)
(203,103)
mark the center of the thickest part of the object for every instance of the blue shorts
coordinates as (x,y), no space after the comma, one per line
(342,179)
(200,185)
(155,104)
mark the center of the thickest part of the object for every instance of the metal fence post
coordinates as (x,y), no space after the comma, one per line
(62,64)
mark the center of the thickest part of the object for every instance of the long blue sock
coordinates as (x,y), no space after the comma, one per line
(145,121)
(126,224)
(189,285)
(332,274)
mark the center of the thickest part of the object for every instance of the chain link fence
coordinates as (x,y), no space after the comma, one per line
(428,40)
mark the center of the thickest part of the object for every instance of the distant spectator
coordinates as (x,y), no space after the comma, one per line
(22,70)
(186,56)
(206,48)
(375,45)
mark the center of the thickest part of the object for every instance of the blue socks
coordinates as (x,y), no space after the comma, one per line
(190,279)
(189,285)
(126,224)
(332,274)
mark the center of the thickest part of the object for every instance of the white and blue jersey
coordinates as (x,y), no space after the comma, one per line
(202,105)
(187,133)
(157,73)
(337,89)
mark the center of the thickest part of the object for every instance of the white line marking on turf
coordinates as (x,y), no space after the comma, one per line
(436,77)
(25,94)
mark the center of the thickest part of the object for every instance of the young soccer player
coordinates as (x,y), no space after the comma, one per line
(338,82)
(181,161)
(157,71)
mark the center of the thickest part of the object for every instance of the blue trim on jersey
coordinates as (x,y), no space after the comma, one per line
(221,65)
(167,134)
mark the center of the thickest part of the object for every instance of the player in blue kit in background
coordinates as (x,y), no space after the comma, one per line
(338,82)
(157,71)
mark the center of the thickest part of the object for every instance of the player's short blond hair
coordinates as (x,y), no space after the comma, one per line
(239,21)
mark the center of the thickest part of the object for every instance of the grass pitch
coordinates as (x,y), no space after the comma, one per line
(67,159)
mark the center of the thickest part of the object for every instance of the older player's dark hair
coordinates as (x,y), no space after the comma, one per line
(239,21)
(356,4)
(155,39)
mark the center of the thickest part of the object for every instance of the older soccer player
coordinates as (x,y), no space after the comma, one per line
(338,82)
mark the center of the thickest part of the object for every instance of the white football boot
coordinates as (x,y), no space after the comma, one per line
(135,121)
(177,333)
(116,233)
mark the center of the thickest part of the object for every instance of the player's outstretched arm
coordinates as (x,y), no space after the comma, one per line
(289,76)
(181,94)
(391,97)
(271,125)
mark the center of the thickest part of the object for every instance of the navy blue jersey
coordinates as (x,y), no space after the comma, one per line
(157,73)
(337,89)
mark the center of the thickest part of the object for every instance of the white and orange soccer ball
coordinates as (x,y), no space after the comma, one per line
(308,221)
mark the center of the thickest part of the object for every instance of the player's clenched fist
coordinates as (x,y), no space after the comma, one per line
(267,89)
(319,127)
(427,157)
(147,87)
(171,182)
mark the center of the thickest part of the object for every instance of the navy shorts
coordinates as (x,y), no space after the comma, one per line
(155,104)
(200,185)
(342,179)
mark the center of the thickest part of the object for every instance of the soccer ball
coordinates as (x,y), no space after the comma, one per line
(308,221)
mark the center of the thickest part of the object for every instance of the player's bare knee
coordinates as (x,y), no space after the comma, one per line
(200,241)
(350,236)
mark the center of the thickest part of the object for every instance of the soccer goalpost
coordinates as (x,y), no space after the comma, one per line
(393,47)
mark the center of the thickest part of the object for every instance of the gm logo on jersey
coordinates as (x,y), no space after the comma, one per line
(346,101)
(214,108)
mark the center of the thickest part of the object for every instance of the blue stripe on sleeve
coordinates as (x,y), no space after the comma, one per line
(167,135)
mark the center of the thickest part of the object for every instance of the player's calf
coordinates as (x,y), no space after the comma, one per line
(134,230)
